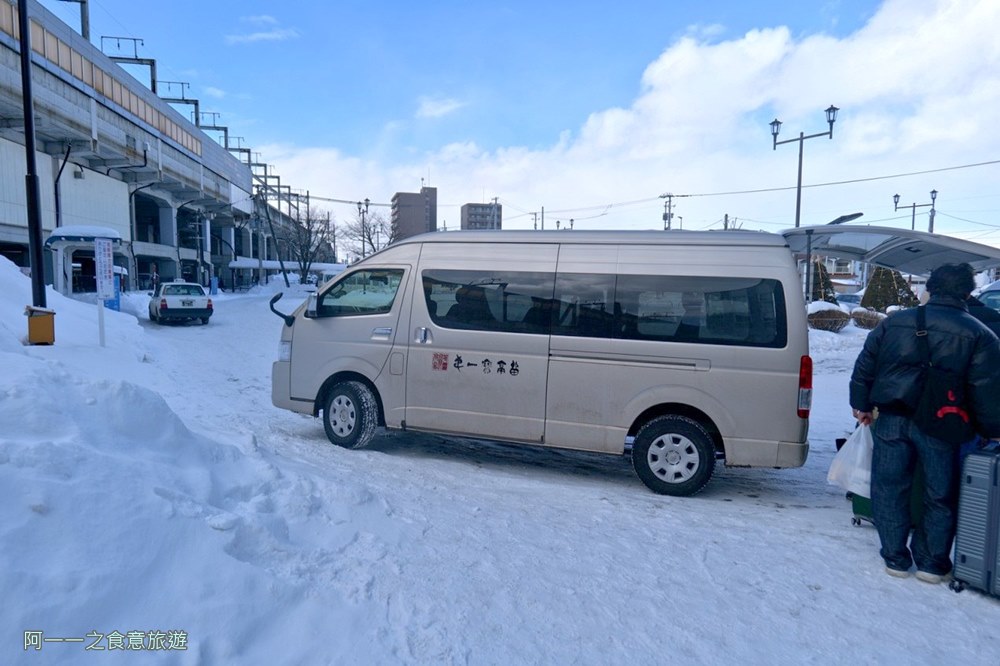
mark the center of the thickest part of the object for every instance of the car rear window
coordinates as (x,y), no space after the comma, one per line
(183,290)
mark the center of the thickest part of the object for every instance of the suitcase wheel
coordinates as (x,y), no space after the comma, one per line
(956,585)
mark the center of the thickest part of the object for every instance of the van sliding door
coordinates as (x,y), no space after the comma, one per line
(478,346)
(584,379)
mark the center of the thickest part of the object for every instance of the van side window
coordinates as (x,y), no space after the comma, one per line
(510,301)
(707,310)
(364,292)
(584,305)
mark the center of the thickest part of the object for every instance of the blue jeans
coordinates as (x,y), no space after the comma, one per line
(898,446)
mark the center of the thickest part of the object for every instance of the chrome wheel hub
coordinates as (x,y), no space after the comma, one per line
(342,416)
(673,458)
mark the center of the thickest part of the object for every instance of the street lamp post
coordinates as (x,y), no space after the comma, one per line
(363,212)
(831,117)
(914,206)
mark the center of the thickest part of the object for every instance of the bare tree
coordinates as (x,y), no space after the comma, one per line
(308,239)
(367,233)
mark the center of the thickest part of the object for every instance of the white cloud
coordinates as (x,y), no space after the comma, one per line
(430,107)
(216,93)
(918,87)
(262,19)
(275,35)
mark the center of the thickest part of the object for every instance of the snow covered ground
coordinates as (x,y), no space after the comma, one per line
(150,487)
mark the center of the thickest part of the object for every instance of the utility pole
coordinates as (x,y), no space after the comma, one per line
(363,212)
(535,215)
(493,223)
(668,211)
(332,233)
(31,187)
(725,222)
(543,218)
(84,18)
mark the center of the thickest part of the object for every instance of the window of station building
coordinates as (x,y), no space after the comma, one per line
(364,292)
(37,39)
(7,18)
(76,67)
(65,56)
(705,310)
(509,301)
(106,84)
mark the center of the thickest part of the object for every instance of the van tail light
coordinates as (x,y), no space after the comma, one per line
(163,304)
(805,386)
(210,304)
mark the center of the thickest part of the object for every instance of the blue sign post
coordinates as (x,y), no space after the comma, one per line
(116,302)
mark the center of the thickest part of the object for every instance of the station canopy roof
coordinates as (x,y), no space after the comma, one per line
(81,233)
(274,265)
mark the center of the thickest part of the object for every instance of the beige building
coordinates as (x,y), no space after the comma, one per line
(414,212)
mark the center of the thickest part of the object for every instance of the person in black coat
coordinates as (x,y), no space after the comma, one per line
(888,375)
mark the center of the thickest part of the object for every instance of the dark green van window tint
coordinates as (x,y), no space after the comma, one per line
(511,301)
(584,305)
(706,310)
(363,292)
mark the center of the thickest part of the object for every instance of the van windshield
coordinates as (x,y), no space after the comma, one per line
(363,292)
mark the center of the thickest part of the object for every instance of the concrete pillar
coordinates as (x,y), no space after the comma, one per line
(59,269)
(206,246)
(261,277)
(168,226)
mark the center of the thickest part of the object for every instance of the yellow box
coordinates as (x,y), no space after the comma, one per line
(41,325)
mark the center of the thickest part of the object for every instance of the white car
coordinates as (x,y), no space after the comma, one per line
(179,301)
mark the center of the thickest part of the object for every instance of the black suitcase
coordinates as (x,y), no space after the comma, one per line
(977,557)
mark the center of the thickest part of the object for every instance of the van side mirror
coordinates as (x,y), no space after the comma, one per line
(311,305)
(288,319)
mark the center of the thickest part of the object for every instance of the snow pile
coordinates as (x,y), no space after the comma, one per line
(820,306)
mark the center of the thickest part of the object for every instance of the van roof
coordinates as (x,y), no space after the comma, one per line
(673,237)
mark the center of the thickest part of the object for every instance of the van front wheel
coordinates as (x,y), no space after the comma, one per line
(349,415)
(674,455)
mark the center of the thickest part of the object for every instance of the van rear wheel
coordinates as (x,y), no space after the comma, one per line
(350,415)
(674,455)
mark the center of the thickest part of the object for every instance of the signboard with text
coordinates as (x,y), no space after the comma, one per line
(105,268)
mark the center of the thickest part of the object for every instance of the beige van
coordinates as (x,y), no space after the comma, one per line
(691,346)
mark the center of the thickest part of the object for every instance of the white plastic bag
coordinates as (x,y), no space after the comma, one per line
(852,466)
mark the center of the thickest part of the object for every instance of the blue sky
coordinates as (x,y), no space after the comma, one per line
(592,109)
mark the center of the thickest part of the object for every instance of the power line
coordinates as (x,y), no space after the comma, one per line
(842,182)
(606,208)
(962,219)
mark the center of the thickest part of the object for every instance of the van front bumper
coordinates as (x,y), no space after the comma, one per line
(281,372)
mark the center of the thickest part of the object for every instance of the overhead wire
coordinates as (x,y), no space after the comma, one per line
(622,204)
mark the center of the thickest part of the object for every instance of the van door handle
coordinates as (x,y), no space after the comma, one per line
(422,335)
(382,333)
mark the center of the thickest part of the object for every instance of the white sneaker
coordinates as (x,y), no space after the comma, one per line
(897,573)
(932,578)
